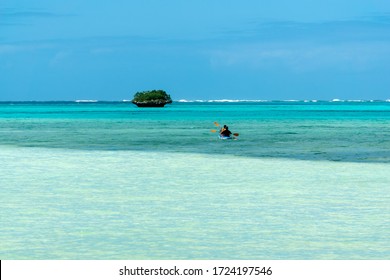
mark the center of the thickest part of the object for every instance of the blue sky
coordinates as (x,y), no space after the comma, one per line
(203,49)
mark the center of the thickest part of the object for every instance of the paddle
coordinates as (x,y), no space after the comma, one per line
(216,124)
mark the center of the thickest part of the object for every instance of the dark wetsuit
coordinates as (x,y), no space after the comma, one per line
(226,133)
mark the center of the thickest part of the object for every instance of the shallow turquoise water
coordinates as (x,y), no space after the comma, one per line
(111,181)
(312,131)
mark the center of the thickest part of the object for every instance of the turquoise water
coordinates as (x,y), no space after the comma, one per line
(320,131)
(108,180)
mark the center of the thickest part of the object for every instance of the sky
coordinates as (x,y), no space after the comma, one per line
(195,49)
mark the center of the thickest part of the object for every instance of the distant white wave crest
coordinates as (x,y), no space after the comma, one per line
(358,100)
(85,101)
(288,100)
(246,100)
(221,100)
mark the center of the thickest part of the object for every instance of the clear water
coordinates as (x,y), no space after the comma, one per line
(112,181)
(313,131)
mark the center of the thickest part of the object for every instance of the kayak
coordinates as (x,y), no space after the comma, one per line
(224,137)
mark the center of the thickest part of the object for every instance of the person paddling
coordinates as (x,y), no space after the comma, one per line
(225,132)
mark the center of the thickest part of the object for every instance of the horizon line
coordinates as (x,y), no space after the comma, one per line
(203,100)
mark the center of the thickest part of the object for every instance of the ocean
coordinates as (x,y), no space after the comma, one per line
(108,180)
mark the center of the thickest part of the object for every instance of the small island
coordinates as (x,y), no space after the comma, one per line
(152,98)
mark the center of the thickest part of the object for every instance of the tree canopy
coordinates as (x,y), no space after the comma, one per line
(152,96)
